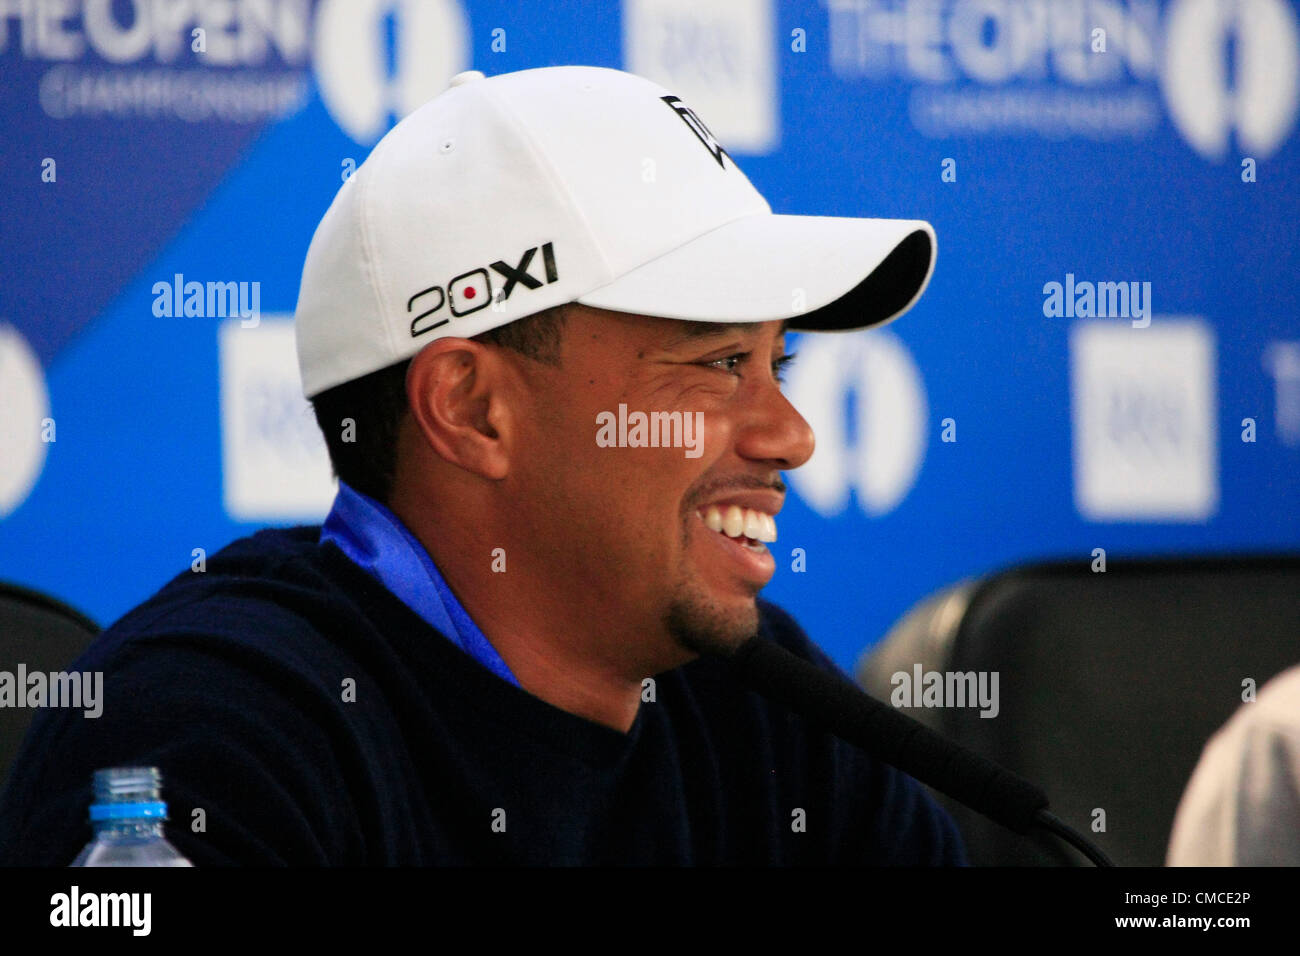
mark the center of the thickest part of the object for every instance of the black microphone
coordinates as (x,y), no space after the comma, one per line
(841,708)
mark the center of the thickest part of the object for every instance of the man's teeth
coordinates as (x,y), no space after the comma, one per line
(734,521)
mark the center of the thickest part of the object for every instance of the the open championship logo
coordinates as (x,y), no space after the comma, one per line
(876,452)
(378,60)
(1088,69)
(374,61)
(26,403)
(1231,66)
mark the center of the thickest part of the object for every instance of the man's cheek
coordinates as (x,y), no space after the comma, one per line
(712,435)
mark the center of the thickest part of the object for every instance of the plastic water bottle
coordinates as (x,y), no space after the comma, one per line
(128,815)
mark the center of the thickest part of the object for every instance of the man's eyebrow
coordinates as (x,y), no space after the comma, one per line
(701,330)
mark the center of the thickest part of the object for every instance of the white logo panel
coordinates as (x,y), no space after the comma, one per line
(716,56)
(274,463)
(1144,412)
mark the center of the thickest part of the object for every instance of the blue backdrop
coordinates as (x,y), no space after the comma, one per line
(1147,149)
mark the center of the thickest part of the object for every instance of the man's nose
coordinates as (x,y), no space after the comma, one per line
(775,432)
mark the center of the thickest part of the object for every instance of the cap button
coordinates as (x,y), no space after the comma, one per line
(462,78)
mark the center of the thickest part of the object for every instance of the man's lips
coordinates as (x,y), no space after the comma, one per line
(743,551)
(750,560)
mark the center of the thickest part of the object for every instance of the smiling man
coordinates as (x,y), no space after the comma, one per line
(503,643)
(616,564)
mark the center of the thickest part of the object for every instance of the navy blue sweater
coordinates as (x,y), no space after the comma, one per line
(231,681)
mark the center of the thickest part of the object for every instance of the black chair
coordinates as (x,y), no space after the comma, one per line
(1110,684)
(45,635)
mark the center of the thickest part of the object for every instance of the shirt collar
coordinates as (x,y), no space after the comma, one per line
(376,539)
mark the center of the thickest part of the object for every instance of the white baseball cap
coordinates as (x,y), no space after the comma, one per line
(507,195)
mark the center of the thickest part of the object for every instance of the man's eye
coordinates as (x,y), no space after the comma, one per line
(736,359)
(728,364)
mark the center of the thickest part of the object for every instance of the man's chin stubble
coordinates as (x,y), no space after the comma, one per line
(706,628)
(699,624)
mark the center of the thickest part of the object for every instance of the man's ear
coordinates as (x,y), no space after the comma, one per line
(457,393)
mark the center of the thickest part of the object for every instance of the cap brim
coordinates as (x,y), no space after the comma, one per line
(823,273)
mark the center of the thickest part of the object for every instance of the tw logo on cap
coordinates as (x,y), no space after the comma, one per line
(472,290)
(698,128)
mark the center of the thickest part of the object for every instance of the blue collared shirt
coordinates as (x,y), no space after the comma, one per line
(375,538)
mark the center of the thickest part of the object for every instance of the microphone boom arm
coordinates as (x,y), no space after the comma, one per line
(897,739)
